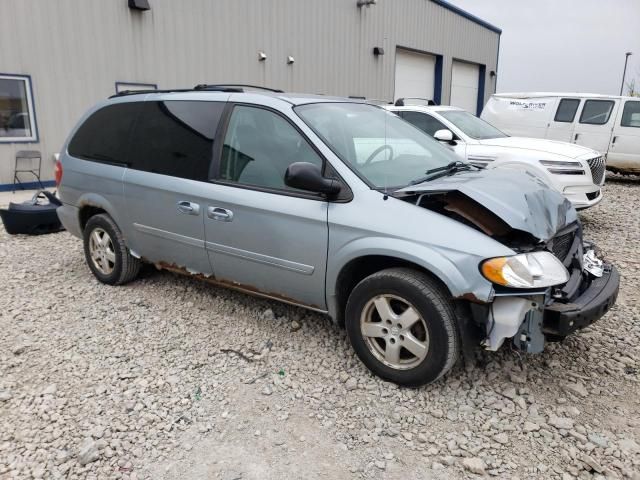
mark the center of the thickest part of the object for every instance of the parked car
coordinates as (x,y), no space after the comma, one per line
(575,171)
(337,206)
(607,123)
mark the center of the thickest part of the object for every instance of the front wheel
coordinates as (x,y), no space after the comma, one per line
(402,325)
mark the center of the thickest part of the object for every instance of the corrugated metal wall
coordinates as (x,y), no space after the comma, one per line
(75,50)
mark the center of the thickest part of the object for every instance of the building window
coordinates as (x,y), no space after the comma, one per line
(132,86)
(17,116)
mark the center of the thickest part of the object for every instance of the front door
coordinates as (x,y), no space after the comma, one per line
(595,124)
(260,234)
(430,125)
(624,150)
(166,187)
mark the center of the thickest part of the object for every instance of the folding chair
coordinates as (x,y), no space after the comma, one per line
(25,164)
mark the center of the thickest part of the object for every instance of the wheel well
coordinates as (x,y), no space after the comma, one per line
(358,269)
(87,212)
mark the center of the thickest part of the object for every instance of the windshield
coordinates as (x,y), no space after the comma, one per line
(384,149)
(471,125)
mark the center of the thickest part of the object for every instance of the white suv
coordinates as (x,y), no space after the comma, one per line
(573,170)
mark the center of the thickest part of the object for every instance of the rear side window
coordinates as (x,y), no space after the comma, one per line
(631,114)
(103,136)
(175,138)
(424,122)
(567,109)
(596,112)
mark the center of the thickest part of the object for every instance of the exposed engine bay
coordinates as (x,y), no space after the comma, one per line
(530,317)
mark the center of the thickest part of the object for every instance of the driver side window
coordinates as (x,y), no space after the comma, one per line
(259,145)
(424,122)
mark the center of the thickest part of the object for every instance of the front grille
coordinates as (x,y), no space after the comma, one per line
(597,166)
(561,245)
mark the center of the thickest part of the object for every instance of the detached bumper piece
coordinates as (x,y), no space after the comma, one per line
(562,319)
(33,217)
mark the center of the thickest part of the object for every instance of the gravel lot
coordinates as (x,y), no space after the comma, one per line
(171,378)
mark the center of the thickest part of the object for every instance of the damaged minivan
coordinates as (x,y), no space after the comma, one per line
(337,206)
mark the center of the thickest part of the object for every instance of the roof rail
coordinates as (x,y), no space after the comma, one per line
(238,88)
(233,87)
(378,101)
(124,93)
(401,101)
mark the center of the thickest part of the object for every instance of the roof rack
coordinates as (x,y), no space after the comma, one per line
(203,87)
(378,101)
(233,87)
(401,101)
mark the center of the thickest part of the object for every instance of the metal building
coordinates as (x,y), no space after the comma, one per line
(60,57)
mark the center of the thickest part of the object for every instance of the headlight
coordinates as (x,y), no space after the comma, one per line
(526,270)
(561,167)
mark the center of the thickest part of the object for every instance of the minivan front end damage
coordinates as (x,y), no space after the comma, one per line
(528,316)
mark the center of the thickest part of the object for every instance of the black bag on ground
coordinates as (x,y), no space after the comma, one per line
(32,217)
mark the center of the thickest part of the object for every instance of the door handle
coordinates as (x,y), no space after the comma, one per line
(188,208)
(219,213)
(575,139)
(613,142)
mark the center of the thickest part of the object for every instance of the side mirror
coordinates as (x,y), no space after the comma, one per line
(444,135)
(307,176)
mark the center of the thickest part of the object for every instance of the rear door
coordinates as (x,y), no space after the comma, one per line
(166,187)
(260,234)
(595,124)
(624,149)
(562,124)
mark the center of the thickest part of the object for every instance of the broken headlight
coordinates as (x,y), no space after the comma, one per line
(526,270)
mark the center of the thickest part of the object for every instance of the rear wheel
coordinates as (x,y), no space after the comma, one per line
(106,253)
(402,325)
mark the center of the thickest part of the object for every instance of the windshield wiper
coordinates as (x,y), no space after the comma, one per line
(449,169)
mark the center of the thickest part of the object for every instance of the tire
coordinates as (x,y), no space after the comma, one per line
(108,259)
(428,327)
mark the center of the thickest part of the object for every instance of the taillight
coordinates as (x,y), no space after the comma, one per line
(58,172)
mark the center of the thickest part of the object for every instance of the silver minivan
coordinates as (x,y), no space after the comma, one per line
(337,206)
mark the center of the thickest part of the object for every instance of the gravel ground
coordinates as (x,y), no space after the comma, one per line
(171,378)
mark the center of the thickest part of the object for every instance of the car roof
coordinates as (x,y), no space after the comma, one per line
(554,94)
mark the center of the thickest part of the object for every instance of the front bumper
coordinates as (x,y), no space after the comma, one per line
(562,319)
(583,198)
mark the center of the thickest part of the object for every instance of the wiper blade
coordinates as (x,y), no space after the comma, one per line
(438,172)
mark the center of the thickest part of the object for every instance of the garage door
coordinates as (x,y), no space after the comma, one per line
(415,74)
(464,86)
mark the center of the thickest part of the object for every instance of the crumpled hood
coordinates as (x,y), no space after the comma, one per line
(542,145)
(519,199)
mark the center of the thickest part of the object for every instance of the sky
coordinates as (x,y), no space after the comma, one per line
(563,45)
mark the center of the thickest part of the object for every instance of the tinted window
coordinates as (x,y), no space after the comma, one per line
(424,122)
(103,136)
(596,112)
(631,114)
(567,109)
(175,138)
(259,146)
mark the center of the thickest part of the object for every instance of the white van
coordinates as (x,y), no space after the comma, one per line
(609,124)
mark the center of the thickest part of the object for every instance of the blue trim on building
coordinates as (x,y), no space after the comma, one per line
(33,105)
(7,187)
(481,78)
(467,15)
(154,86)
(437,81)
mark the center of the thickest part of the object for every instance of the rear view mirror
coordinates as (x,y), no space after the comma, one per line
(307,176)
(443,135)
